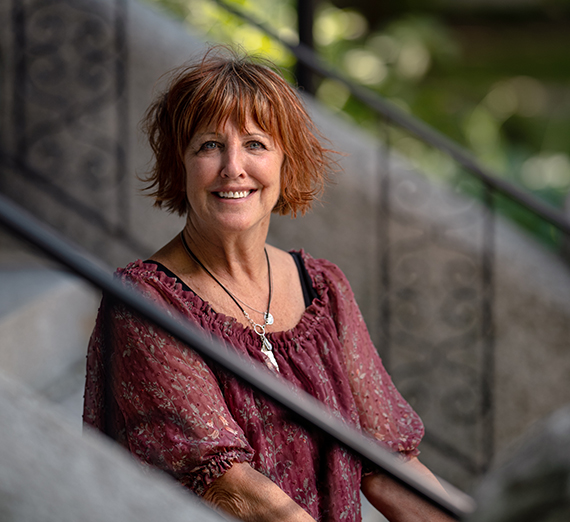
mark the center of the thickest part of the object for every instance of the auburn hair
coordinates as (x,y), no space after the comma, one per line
(226,86)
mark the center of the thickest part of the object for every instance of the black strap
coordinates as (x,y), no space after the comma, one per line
(161,268)
(309,292)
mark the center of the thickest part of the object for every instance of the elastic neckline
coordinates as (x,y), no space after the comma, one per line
(217,320)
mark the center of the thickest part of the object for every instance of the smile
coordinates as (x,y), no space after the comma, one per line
(234,195)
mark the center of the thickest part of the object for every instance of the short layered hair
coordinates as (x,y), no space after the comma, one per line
(224,86)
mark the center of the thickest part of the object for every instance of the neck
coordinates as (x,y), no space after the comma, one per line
(268,318)
(258,327)
(229,256)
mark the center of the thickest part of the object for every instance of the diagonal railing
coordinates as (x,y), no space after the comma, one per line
(28,228)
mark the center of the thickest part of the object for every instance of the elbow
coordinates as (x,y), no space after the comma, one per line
(227,501)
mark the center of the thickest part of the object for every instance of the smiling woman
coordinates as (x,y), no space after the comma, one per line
(233,144)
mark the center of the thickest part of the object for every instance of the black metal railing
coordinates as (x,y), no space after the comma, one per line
(40,236)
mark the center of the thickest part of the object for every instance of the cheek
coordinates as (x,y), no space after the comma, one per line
(191,178)
(280,185)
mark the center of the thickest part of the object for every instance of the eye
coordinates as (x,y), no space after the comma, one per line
(256,145)
(209,145)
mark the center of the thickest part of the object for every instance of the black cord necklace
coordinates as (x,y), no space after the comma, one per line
(259,329)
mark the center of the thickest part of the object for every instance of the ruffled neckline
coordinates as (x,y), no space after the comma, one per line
(218,321)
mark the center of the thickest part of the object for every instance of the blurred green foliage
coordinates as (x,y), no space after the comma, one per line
(501,89)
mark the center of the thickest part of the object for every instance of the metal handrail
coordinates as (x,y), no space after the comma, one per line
(423,131)
(27,227)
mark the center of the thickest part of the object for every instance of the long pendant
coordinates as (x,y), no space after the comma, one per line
(267,349)
(259,329)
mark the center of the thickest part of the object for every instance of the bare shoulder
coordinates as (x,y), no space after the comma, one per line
(281,260)
(166,252)
(173,257)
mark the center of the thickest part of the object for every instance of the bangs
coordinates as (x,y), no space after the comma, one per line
(237,98)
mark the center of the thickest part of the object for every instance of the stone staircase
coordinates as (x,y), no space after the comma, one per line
(50,472)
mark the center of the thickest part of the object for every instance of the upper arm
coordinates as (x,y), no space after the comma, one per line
(384,414)
(170,405)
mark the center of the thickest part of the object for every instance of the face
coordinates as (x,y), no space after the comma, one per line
(232,178)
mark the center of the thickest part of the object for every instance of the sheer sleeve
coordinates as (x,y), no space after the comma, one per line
(384,414)
(169,409)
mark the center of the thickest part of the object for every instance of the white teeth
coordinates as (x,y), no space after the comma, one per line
(234,195)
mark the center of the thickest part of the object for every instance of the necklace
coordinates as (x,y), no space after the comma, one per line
(267,317)
(259,329)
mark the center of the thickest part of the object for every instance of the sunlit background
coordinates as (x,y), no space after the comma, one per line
(494,76)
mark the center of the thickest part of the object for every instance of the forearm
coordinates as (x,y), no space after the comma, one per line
(248,495)
(397,503)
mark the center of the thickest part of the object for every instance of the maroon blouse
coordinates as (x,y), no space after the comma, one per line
(194,421)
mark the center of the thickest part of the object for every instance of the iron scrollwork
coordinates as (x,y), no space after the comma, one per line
(436,252)
(70,104)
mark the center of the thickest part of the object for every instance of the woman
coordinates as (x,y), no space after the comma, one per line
(233,144)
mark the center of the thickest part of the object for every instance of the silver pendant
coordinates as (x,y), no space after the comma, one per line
(268,318)
(267,349)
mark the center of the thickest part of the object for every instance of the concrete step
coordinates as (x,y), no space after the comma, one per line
(51,473)
(46,317)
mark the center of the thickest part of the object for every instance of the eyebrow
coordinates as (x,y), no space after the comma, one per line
(249,135)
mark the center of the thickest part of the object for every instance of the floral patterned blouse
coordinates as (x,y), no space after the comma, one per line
(194,420)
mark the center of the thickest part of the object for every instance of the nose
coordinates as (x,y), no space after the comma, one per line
(233,162)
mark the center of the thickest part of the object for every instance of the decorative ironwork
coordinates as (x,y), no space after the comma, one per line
(69,108)
(436,253)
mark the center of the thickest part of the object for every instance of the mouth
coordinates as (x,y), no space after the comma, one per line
(234,194)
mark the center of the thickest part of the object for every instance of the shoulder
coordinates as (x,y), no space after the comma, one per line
(152,282)
(313,264)
(324,272)
(319,269)
(326,277)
